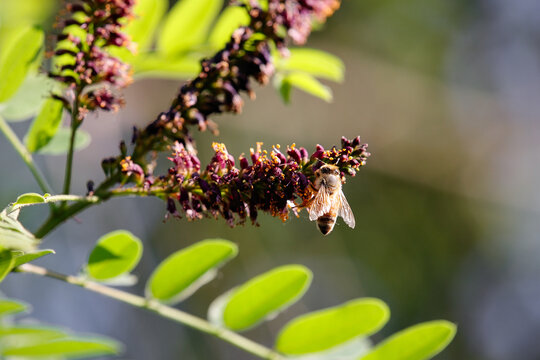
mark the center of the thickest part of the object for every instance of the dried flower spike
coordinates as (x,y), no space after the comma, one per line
(82,57)
(228,74)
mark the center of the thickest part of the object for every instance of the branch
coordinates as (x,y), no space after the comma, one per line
(25,155)
(100,194)
(160,309)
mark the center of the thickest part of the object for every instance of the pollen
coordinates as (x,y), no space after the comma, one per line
(125,163)
(219,148)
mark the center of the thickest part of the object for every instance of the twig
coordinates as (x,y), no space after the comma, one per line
(162,310)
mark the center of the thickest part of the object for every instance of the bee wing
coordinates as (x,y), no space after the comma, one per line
(320,204)
(345,211)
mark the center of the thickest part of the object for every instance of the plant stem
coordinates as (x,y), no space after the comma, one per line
(25,155)
(74,126)
(162,310)
(101,194)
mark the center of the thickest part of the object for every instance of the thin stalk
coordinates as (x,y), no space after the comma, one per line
(25,155)
(75,122)
(162,310)
(101,194)
(56,219)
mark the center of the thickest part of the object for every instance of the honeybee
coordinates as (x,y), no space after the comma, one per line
(329,202)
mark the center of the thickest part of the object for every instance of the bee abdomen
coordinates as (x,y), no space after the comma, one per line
(326,223)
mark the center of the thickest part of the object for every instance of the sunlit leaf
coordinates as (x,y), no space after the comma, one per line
(186,270)
(70,348)
(6,263)
(141,29)
(284,88)
(309,84)
(418,342)
(159,66)
(59,144)
(31,256)
(13,235)
(45,125)
(324,329)
(33,332)
(314,62)
(265,295)
(230,19)
(8,307)
(13,13)
(29,198)
(115,253)
(16,240)
(187,25)
(28,99)
(16,60)
(26,335)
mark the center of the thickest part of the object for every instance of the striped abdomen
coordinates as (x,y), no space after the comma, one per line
(326,223)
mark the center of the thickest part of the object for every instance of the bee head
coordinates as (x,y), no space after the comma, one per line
(328,170)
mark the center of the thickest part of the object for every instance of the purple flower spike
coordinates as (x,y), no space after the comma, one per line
(273,183)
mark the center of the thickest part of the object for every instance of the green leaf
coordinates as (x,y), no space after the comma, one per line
(324,329)
(15,240)
(284,88)
(148,14)
(186,25)
(17,59)
(70,348)
(28,99)
(45,125)
(13,13)
(59,145)
(309,84)
(418,342)
(29,198)
(183,272)
(230,19)
(265,295)
(314,62)
(6,263)
(158,66)
(13,235)
(115,254)
(31,256)
(26,335)
(34,332)
(8,307)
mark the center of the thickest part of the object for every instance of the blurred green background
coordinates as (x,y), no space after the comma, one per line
(447,95)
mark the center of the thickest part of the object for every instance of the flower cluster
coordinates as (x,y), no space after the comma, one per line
(235,189)
(227,74)
(272,182)
(295,16)
(82,55)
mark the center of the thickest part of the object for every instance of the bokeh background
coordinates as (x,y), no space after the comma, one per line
(447,94)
